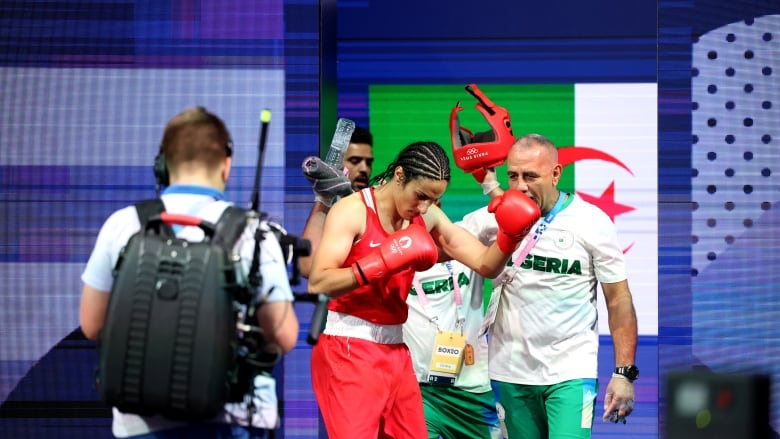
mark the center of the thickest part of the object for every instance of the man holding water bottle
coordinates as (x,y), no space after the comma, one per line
(329,184)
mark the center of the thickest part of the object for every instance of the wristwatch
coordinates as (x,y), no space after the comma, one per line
(631,372)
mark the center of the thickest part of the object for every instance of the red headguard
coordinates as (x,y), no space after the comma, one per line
(481,154)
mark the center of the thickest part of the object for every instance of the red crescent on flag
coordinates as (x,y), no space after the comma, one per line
(570,154)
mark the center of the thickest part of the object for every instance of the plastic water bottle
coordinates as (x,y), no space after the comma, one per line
(338,146)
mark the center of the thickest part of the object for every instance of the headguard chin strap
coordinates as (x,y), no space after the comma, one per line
(487,149)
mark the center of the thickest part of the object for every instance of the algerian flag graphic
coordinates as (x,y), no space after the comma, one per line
(607,140)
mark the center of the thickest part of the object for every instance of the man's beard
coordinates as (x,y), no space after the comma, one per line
(360,182)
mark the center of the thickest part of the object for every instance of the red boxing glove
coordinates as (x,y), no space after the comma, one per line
(515,214)
(480,174)
(411,247)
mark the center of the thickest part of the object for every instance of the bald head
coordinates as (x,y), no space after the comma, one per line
(546,150)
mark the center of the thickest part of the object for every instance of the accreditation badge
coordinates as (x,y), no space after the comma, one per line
(447,357)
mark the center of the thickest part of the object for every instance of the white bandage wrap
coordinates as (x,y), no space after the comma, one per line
(488,186)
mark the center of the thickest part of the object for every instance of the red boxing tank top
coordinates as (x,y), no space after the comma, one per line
(384,301)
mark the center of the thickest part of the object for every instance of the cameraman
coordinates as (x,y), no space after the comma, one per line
(197,149)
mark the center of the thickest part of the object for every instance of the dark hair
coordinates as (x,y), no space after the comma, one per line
(362,135)
(196,135)
(419,160)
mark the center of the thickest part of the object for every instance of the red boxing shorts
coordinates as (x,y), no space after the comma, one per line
(366,389)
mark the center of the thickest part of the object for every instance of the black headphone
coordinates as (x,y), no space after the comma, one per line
(161,176)
(160,169)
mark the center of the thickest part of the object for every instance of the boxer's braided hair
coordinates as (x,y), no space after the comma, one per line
(418,160)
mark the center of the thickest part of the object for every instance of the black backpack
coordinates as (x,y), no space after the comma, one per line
(168,344)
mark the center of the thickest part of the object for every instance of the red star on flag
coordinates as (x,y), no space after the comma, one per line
(606,202)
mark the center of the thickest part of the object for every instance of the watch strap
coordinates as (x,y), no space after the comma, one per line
(630,372)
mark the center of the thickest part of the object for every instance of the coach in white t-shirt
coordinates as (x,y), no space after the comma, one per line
(544,339)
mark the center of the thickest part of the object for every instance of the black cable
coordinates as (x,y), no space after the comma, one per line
(255,280)
(265,119)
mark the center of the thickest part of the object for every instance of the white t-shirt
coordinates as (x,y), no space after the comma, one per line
(205,203)
(442,312)
(546,327)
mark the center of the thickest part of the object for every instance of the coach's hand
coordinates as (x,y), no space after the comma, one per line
(619,399)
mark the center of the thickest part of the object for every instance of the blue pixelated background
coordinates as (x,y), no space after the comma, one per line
(86,88)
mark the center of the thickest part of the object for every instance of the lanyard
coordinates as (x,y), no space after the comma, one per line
(541,228)
(456,296)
